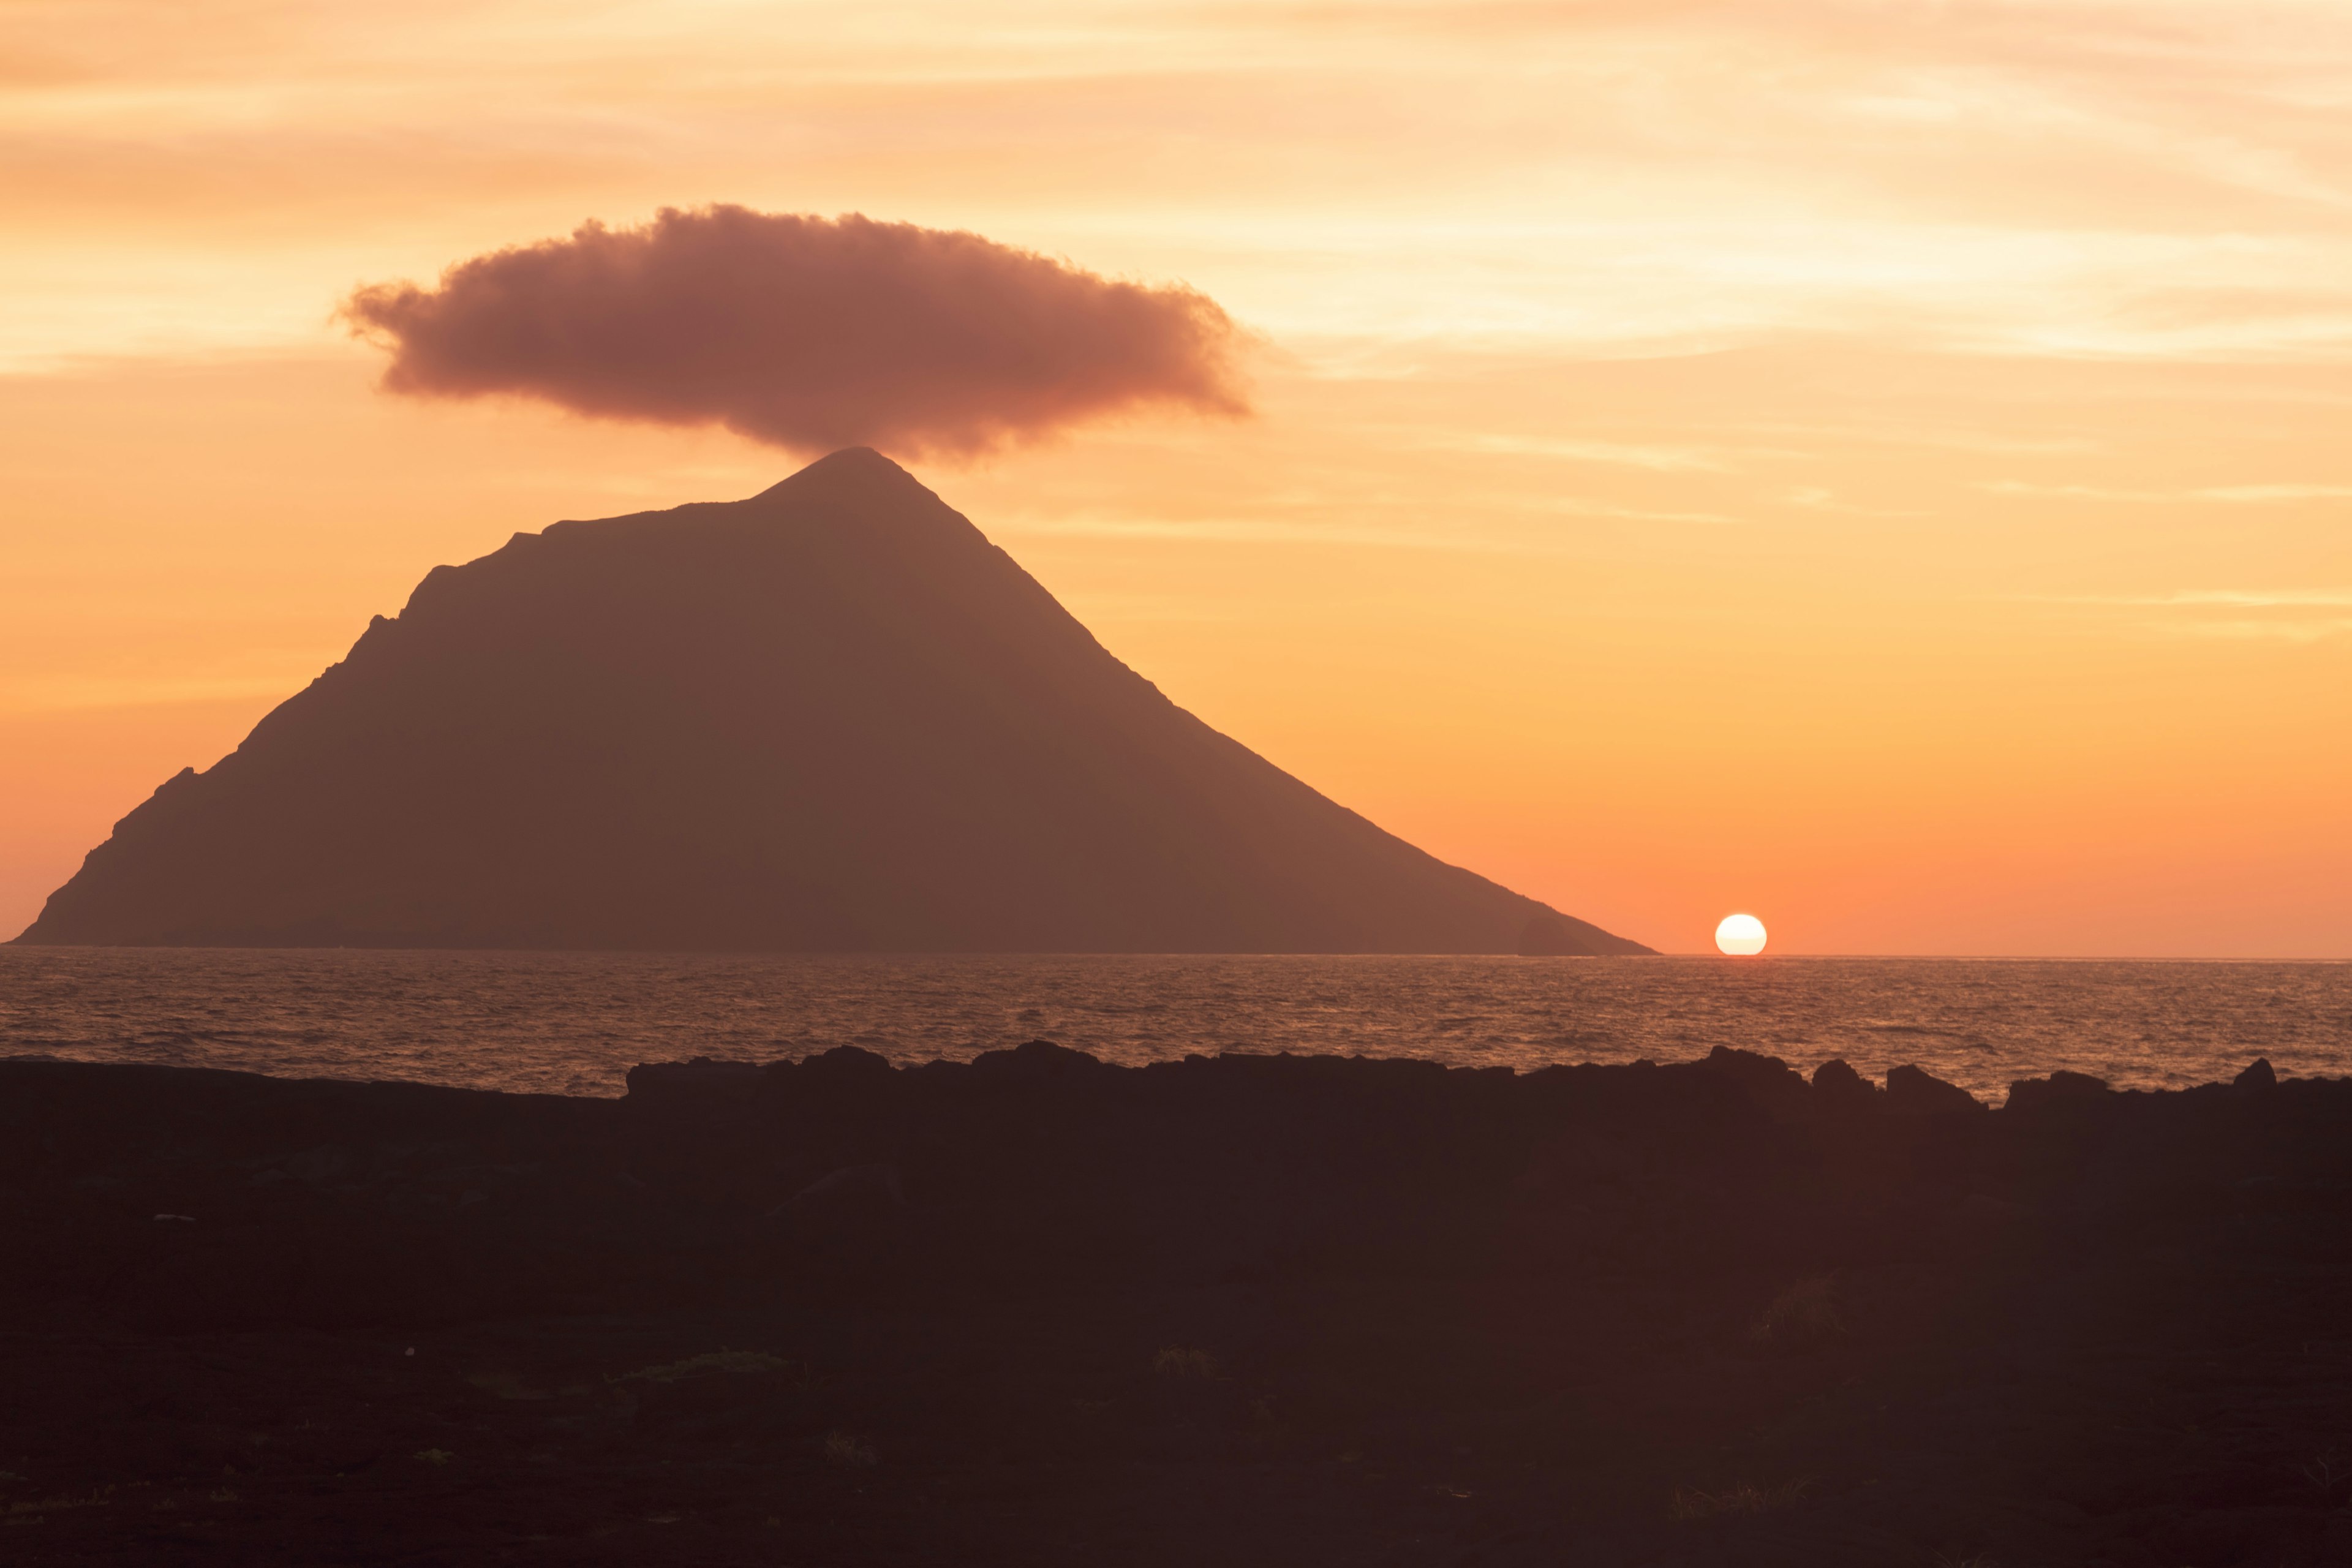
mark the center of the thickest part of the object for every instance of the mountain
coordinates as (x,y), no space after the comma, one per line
(832,717)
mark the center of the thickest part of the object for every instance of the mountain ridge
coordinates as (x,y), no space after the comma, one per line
(830,717)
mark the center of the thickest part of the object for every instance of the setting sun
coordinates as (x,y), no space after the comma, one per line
(1740,935)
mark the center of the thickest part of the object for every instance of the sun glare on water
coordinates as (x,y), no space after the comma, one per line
(1740,935)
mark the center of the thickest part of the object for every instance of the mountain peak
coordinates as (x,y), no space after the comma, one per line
(851,471)
(832,717)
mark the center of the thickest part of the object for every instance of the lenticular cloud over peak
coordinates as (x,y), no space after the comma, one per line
(806,333)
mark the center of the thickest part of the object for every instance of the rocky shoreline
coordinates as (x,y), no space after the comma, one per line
(1033,1308)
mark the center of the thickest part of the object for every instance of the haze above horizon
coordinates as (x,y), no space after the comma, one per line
(1879,465)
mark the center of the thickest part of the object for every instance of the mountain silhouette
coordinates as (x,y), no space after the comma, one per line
(832,717)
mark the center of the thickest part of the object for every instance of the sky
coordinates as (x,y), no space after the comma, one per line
(1879,465)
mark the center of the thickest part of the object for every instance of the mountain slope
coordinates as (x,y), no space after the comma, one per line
(832,717)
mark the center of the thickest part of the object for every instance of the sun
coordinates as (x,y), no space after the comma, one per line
(1740,935)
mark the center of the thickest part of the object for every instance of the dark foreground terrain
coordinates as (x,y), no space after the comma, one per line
(1038,1311)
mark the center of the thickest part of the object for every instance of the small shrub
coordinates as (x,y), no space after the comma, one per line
(1184,1361)
(52,1505)
(1743,1499)
(1803,1312)
(505,1386)
(733,1362)
(844,1449)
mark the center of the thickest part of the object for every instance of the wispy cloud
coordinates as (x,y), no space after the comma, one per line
(1574,508)
(2127,176)
(2256,494)
(1265,530)
(1631,455)
(2189,598)
(2223,495)
(2262,615)
(1815,498)
(2265,631)
(1302,531)
(68,693)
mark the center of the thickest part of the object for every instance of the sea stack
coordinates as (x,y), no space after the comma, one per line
(830,718)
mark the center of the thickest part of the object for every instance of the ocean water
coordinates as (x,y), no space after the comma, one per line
(576,1022)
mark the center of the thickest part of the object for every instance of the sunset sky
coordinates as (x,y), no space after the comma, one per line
(1883,466)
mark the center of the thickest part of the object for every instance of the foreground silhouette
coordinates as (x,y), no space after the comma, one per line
(833,717)
(1035,1310)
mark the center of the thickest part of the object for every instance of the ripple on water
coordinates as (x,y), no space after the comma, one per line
(574,1023)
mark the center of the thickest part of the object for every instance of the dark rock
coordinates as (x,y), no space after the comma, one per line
(847,1064)
(1837,1085)
(2060,1092)
(1768,1081)
(1982,1213)
(699,1079)
(861,1202)
(1036,1060)
(1911,1091)
(1041,1309)
(2257,1076)
(853,1184)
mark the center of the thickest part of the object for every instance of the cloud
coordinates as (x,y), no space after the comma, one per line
(2228,495)
(2235,598)
(805,332)
(1656,457)
(2292,623)
(2267,631)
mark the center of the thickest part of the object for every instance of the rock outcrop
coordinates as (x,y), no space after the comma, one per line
(1036,1309)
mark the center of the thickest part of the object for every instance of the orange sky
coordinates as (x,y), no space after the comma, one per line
(1882,466)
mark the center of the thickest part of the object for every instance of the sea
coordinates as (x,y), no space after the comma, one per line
(572,1022)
